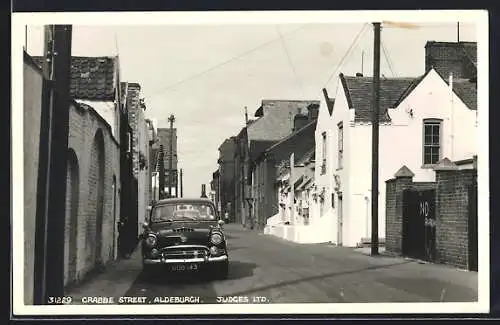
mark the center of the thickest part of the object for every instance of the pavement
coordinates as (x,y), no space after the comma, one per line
(275,270)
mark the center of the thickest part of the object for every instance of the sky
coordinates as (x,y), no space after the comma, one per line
(207,74)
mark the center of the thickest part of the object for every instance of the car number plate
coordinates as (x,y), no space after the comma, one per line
(184,267)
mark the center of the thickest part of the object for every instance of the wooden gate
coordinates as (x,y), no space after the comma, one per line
(419,224)
(472,228)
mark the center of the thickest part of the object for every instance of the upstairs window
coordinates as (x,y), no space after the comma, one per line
(432,141)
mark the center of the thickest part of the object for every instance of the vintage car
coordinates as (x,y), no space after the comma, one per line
(183,235)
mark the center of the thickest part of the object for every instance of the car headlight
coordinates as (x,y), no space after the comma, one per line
(151,240)
(216,238)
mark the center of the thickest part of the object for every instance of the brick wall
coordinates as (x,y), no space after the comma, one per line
(453,57)
(451,208)
(84,125)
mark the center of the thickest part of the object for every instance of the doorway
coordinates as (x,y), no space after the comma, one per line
(340,220)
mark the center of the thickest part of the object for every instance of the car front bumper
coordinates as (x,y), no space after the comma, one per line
(201,260)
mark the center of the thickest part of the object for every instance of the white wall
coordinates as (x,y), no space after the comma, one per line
(142,175)
(107,110)
(323,219)
(401,144)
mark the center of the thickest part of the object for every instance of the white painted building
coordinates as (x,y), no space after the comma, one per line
(422,121)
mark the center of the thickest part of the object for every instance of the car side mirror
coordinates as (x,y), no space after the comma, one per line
(145,225)
(221,222)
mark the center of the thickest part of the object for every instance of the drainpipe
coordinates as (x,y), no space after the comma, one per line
(452,121)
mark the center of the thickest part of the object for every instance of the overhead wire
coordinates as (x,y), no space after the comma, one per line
(347,53)
(230,60)
(299,83)
(388,58)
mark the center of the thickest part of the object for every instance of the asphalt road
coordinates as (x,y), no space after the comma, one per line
(274,270)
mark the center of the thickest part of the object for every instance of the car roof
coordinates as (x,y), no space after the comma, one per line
(184,200)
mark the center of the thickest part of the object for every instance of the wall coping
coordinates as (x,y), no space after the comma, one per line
(404,172)
(445,165)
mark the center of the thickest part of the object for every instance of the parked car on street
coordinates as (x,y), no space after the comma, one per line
(184,235)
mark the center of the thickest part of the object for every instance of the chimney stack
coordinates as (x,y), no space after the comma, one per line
(203,191)
(299,121)
(246,116)
(313,111)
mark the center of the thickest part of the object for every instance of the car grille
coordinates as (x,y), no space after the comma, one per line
(183,229)
(184,252)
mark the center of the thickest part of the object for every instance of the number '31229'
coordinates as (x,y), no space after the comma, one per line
(60,300)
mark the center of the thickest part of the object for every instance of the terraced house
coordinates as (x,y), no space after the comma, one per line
(422,121)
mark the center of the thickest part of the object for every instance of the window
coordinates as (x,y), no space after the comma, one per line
(340,144)
(432,141)
(323,153)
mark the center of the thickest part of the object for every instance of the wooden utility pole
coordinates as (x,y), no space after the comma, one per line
(171,119)
(161,173)
(49,258)
(458,32)
(375,137)
(181,190)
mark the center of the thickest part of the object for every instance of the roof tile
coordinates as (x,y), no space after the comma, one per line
(92,78)
(359,95)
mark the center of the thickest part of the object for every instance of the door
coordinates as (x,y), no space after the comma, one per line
(340,219)
(413,236)
(419,224)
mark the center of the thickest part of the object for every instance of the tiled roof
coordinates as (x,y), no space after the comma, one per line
(463,88)
(300,142)
(306,157)
(257,147)
(358,91)
(467,92)
(92,78)
(277,121)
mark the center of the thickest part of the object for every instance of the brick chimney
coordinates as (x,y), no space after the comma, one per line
(299,121)
(458,58)
(313,111)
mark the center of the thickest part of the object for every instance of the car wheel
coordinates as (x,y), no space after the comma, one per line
(221,271)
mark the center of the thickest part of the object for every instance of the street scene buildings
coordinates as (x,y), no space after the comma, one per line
(360,189)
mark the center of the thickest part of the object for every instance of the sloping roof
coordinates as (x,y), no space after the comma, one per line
(467,92)
(277,120)
(307,156)
(300,142)
(92,78)
(358,91)
(257,148)
(465,89)
(330,102)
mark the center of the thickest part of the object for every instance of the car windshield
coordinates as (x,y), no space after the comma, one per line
(183,211)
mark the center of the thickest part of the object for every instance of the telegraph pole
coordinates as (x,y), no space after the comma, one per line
(161,173)
(171,119)
(49,266)
(181,190)
(375,137)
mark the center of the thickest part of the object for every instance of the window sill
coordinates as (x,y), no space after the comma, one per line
(428,166)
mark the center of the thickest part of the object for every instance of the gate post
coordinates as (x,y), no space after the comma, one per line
(394,210)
